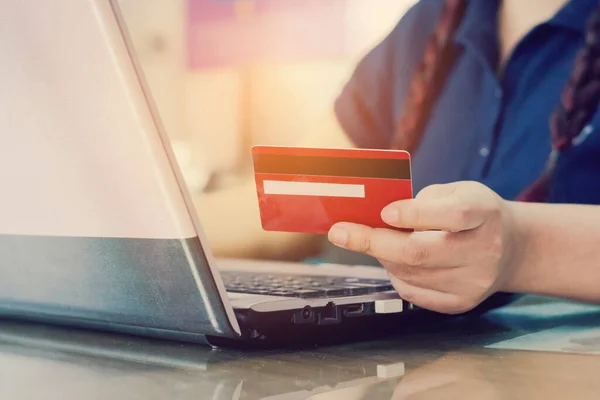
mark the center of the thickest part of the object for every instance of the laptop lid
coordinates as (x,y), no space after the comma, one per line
(96,225)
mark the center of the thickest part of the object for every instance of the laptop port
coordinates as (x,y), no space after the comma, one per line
(304,316)
(354,310)
(307,313)
(330,314)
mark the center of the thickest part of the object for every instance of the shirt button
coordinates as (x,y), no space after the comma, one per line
(484,152)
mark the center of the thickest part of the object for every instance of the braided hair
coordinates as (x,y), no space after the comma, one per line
(578,103)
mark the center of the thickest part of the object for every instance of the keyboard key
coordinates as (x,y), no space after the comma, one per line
(308,293)
(373,287)
(336,291)
(284,293)
(358,290)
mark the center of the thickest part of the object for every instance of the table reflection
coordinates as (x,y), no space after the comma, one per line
(436,362)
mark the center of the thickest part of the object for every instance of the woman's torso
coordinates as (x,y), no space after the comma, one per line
(484,128)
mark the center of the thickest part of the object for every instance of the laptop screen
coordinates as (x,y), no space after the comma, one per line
(94,223)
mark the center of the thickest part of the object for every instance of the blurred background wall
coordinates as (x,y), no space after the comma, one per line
(227,74)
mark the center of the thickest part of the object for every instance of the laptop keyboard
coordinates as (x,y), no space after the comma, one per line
(301,286)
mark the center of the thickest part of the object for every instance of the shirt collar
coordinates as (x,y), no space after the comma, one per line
(574,14)
(479,28)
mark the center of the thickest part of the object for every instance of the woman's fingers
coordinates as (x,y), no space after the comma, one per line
(430,299)
(440,207)
(424,249)
(446,214)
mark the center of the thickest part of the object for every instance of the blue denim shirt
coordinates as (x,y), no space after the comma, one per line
(486,126)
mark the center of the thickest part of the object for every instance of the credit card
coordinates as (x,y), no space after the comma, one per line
(308,190)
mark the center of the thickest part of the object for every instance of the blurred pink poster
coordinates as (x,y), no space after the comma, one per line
(230,33)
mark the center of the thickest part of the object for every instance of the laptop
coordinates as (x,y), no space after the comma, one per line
(97,228)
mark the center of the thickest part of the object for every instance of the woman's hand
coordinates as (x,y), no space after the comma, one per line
(457,245)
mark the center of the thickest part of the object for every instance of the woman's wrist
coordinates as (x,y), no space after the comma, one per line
(556,251)
(520,268)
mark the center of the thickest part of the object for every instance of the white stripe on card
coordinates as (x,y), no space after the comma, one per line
(314,189)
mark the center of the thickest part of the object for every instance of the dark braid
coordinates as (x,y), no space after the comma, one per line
(578,103)
(428,80)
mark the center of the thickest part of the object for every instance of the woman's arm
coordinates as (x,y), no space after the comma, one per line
(561,250)
(459,243)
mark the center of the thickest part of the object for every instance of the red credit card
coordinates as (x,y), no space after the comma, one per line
(308,190)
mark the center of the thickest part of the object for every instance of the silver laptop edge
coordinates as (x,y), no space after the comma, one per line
(176,170)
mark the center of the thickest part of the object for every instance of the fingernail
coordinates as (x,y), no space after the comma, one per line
(390,215)
(338,236)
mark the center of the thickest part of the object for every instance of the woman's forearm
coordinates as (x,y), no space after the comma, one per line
(559,250)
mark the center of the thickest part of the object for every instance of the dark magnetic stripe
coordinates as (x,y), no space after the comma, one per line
(332,166)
